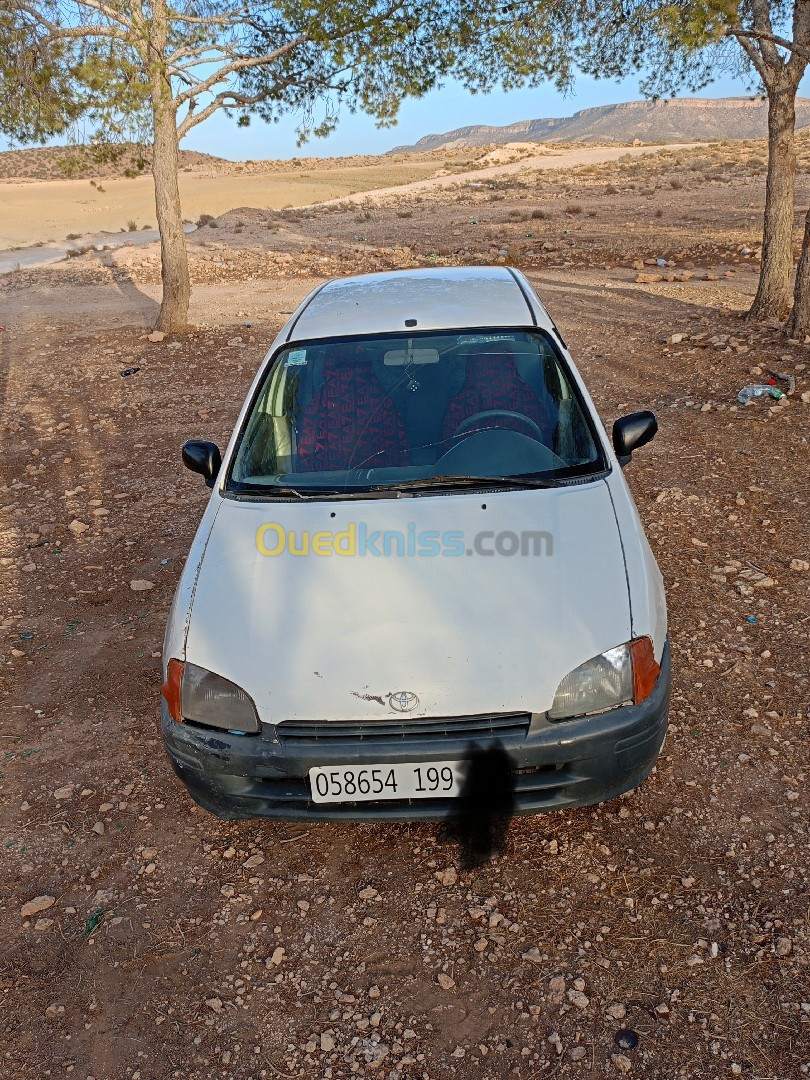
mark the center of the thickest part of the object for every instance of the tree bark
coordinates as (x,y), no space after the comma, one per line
(772,300)
(165,162)
(799,324)
(173,254)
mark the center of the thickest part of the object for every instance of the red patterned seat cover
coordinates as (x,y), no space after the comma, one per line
(349,421)
(492,381)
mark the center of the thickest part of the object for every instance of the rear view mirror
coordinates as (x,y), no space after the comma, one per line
(631,432)
(202,457)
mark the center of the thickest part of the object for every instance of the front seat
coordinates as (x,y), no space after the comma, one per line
(350,420)
(492,381)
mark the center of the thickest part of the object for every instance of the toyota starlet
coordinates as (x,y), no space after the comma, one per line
(419,547)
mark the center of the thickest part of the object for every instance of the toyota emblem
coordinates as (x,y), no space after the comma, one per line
(403,701)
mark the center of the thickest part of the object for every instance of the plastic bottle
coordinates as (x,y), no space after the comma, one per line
(758,390)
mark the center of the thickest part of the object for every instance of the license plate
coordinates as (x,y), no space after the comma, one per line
(405,780)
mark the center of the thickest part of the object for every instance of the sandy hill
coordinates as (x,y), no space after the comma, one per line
(679,120)
(86,163)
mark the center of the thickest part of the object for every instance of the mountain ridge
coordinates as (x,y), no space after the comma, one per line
(675,120)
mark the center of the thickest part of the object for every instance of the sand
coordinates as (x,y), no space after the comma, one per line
(40,211)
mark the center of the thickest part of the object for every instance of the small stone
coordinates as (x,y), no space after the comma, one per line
(676,339)
(621,1062)
(43,924)
(141,585)
(254,860)
(35,906)
(327,1042)
(617,1011)
(156,335)
(214,1004)
(303,905)
(54,1009)
(799,565)
(65,792)
(78,527)
(99,828)
(369,893)
(576,997)
(784,946)
(448,877)
(278,956)
(444,981)
(577,1053)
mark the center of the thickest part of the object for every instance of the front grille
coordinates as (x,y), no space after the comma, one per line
(507,728)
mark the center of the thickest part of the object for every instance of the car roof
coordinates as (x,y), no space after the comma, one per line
(437,298)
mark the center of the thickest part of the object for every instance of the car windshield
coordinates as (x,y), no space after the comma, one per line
(439,408)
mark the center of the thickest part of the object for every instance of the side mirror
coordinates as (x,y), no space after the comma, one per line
(631,432)
(202,457)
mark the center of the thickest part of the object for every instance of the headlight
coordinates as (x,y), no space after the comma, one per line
(620,676)
(201,697)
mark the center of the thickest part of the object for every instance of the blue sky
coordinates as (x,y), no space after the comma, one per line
(450,107)
(441,110)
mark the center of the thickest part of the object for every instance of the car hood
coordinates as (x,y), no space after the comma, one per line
(332,637)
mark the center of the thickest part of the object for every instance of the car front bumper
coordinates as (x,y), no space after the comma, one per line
(554,764)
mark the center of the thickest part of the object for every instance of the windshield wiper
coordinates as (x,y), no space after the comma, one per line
(474,481)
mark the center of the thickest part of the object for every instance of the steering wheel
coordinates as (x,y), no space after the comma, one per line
(498,412)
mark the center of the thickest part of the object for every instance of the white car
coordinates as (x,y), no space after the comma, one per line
(419,548)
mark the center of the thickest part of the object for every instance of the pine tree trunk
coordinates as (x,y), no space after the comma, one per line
(799,324)
(773,295)
(173,254)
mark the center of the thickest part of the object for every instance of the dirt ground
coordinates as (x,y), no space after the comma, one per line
(664,935)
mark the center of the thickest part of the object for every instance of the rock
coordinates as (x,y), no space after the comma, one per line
(799,565)
(64,792)
(43,924)
(278,956)
(35,906)
(369,893)
(254,860)
(78,527)
(156,335)
(784,946)
(141,585)
(577,1053)
(617,1011)
(444,981)
(576,997)
(676,339)
(303,905)
(447,877)
(621,1062)
(214,1004)
(99,828)
(648,279)
(327,1042)
(533,955)
(54,1009)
